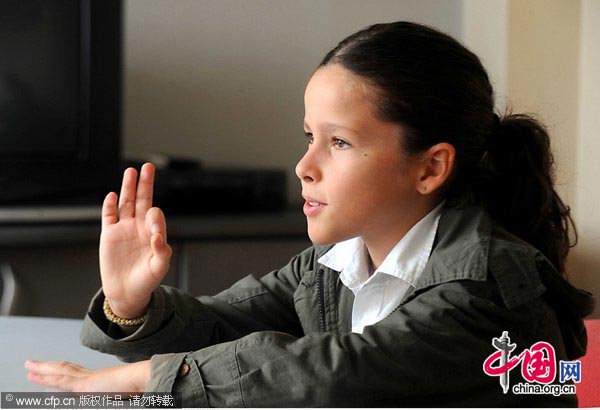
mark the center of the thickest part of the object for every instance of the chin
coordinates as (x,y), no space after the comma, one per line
(325,237)
(318,237)
(321,241)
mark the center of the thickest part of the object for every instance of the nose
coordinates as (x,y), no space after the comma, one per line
(306,169)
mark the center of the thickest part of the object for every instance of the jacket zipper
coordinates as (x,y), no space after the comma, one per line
(321,301)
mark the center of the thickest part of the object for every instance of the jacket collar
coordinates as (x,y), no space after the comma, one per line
(461,247)
(471,245)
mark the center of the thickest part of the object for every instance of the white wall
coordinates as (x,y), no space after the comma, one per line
(485,32)
(543,75)
(223,81)
(585,261)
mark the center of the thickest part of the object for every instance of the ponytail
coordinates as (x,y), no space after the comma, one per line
(515,182)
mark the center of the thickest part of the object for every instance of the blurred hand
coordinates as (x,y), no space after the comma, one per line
(68,376)
(134,254)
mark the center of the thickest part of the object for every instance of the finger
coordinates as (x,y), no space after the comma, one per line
(109,210)
(62,382)
(156,222)
(145,188)
(55,368)
(127,197)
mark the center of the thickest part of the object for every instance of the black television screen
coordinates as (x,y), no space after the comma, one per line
(60,93)
(41,50)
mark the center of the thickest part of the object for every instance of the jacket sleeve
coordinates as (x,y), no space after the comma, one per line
(178,322)
(429,352)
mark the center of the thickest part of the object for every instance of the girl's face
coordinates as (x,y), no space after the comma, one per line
(354,179)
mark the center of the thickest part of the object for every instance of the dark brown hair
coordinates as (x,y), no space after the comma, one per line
(438,91)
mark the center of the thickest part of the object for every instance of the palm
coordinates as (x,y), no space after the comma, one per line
(125,255)
(132,262)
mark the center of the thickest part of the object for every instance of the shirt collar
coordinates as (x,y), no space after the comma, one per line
(405,261)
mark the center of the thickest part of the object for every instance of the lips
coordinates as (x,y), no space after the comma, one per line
(313,201)
(313,206)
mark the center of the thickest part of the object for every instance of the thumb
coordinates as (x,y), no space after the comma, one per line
(161,254)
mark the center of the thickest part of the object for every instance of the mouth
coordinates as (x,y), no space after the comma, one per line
(312,207)
(312,201)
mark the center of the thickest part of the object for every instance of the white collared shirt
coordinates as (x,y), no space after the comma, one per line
(377,295)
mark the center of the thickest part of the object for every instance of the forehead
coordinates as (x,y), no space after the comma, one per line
(335,92)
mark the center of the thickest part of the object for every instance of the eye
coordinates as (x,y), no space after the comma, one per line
(309,137)
(340,143)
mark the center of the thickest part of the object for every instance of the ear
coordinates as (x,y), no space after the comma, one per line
(436,167)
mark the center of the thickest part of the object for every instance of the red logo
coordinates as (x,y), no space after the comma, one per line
(538,363)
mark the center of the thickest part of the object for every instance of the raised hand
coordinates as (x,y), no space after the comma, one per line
(134,254)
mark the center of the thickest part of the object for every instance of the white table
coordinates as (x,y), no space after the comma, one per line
(45,339)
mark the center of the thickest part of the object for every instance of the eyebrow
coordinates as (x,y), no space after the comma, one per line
(329,126)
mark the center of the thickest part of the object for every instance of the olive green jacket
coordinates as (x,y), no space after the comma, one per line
(285,339)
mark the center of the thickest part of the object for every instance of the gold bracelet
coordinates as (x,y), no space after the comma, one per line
(119,320)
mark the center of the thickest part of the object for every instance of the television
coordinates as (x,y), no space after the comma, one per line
(60,101)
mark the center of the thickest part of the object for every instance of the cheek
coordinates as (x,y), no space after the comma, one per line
(360,191)
(385,184)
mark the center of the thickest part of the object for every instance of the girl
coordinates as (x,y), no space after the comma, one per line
(447,232)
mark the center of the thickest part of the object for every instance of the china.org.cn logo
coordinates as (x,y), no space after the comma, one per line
(538,368)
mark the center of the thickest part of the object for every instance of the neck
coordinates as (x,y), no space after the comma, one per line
(378,250)
(380,244)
